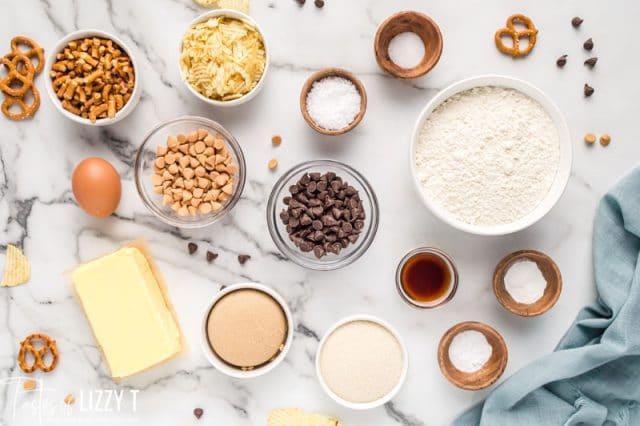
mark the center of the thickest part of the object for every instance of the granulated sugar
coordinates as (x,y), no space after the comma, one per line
(361,361)
(488,155)
(333,103)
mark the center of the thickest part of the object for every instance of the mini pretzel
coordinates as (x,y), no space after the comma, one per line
(35,50)
(26,111)
(530,32)
(14,74)
(38,354)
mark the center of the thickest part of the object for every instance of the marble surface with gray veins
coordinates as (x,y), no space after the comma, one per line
(38,212)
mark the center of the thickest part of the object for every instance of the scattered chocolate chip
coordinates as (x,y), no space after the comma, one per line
(192,247)
(591,62)
(588,45)
(319,3)
(198,412)
(561,61)
(242,258)
(300,2)
(211,256)
(577,21)
(222,287)
(588,90)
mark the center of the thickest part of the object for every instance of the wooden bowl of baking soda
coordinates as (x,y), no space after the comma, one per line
(333,101)
(527,283)
(472,355)
(408,44)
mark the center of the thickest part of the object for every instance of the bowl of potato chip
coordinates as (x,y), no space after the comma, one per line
(223,57)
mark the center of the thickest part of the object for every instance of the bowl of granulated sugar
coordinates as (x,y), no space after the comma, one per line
(361,362)
(490,155)
(333,101)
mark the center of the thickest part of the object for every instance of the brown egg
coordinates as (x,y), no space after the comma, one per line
(96,186)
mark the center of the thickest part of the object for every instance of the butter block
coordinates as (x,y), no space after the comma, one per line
(127,312)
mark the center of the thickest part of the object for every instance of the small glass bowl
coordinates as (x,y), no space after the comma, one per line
(330,261)
(144,169)
(453,286)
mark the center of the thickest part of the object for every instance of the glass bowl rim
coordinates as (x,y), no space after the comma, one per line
(206,220)
(294,255)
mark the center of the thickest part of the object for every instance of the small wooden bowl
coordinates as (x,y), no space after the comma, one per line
(489,373)
(332,72)
(551,274)
(408,21)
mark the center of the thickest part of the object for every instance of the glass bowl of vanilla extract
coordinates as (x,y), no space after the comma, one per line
(426,278)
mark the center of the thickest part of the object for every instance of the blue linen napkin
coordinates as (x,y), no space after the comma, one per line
(593,376)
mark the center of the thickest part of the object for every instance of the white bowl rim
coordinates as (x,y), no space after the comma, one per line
(403,374)
(243,17)
(137,90)
(564,167)
(226,369)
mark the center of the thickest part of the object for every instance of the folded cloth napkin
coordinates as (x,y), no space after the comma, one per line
(593,376)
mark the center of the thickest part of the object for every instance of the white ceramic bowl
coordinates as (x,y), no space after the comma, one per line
(232,14)
(225,368)
(564,167)
(387,397)
(137,88)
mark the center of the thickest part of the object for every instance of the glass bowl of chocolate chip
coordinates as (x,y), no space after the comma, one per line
(322,214)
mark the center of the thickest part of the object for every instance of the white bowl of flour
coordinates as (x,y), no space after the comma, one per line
(491,155)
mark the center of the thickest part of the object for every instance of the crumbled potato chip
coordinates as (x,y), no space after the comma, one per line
(16,269)
(240,5)
(223,58)
(298,417)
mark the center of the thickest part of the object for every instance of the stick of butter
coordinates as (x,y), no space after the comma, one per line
(127,312)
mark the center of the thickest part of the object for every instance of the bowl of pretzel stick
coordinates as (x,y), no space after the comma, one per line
(93,78)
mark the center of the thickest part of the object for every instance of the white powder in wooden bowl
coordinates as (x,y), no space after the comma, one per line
(361,361)
(488,155)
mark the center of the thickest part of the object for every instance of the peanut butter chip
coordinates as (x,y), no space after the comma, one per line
(273,163)
(605,140)
(194,173)
(276,140)
(589,138)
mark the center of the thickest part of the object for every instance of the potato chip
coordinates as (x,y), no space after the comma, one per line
(298,417)
(240,5)
(16,268)
(223,58)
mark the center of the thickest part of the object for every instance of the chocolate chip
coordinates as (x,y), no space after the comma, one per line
(192,247)
(319,3)
(324,214)
(588,45)
(242,258)
(577,21)
(591,62)
(561,61)
(588,90)
(198,412)
(211,256)
(300,2)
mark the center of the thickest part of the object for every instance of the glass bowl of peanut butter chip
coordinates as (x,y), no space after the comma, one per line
(322,215)
(189,172)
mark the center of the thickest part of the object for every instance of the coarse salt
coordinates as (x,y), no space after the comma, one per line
(333,102)
(469,351)
(524,282)
(406,49)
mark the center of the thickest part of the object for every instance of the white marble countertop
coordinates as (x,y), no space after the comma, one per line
(37,209)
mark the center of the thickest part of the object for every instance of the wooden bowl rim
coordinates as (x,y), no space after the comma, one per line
(443,353)
(420,69)
(330,72)
(521,309)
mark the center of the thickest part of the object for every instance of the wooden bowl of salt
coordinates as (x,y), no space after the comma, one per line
(545,299)
(320,75)
(413,22)
(486,374)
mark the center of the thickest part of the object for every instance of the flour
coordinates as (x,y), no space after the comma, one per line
(469,351)
(488,155)
(524,282)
